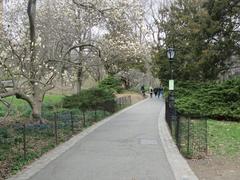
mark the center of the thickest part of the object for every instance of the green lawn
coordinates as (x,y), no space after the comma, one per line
(54,99)
(20,106)
(39,139)
(224,138)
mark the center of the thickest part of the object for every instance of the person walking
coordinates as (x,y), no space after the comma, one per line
(143,90)
(155,90)
(159,92)
(151,91)
(162,91)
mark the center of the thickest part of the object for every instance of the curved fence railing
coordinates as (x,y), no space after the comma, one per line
(189,131)
(21,141)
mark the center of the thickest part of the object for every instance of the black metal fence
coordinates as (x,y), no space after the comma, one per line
(23,141)
(189,132)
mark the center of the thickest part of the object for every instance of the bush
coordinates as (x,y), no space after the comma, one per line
(218,100)
(111,83)
(92,99)
(2,112)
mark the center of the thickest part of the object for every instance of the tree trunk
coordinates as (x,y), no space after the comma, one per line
(36,105)
(79,80)
(37,112)
(79,71)
(37,98)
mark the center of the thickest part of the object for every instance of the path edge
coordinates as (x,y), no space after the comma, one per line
(39,164)
(178,163)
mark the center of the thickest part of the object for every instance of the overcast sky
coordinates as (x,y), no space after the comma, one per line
(10,4)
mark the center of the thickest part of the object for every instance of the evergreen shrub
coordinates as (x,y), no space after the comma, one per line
(218,100)
(111,83)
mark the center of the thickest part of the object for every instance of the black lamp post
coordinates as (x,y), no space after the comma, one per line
(170,55)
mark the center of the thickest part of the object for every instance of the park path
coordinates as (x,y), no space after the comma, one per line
(127,147)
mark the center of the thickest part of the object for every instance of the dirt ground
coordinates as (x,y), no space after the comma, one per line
(217,168)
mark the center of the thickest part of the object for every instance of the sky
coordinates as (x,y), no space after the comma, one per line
(9,5)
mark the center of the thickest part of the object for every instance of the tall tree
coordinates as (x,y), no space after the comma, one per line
(35,57)
(204,43)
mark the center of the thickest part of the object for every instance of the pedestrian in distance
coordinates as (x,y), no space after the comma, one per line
(155,90)
(162,91)
(159,92)
(151,91)
(143,91)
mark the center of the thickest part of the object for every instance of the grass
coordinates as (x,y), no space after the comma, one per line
(20,106)
(224,138)
(192,137)
(53,99)
(39,140)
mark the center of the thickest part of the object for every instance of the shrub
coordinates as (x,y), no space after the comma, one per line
(92,99)
(218,100)
(111,83)
(2,112)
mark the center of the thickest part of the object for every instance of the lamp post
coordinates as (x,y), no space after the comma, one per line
(170,55)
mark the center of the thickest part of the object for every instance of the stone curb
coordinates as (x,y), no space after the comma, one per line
(47,158)
(180,167)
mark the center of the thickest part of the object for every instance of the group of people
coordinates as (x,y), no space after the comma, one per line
(158,91)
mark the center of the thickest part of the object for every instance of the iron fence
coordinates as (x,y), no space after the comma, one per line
(123,101)
(189,131)
(22,141)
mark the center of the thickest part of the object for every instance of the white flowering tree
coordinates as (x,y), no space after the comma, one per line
(34,55)
(122,45)
(24,65)
(45,40)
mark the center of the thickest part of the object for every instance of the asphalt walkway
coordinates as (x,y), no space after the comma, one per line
(127,147)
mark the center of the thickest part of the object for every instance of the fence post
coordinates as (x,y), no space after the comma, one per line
(188,139)
(95,115)
(84,119)
(55,128)
(72,123)
(120,102)
(206,135)
(177,131)
(168,116)
(24,142)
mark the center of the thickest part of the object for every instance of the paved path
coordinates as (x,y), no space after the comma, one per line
(126,148)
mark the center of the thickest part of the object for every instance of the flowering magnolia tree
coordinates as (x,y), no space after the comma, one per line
(123,47)
(33,58)
(121,55)
(25,63)
(52,39)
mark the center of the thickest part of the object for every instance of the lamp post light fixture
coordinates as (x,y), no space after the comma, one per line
(171,55)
